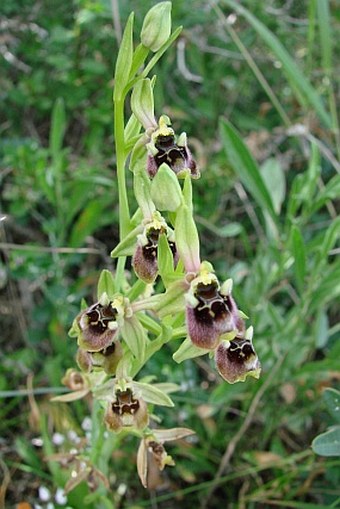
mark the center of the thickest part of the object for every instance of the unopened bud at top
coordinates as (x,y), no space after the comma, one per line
(156,27)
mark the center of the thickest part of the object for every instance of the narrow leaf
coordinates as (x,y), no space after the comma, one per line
(299,253)
(58,127)
(245,167)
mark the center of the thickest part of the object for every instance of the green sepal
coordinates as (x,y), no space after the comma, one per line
(142,103)
(74,331)
(135,337)
(141,186)
(165,189)
(187,240)
(127,245)
(188,350)
(165,260)
(106,284)
(154,395)
(124,60)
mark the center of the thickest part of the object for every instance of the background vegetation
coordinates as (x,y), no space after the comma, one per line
(269,221)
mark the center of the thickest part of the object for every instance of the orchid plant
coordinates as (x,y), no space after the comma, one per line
(175,296)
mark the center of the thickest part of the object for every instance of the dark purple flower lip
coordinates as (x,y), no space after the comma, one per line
(98,324)
(236,359)
(211,311)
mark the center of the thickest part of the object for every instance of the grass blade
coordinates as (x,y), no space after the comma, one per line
(245,167)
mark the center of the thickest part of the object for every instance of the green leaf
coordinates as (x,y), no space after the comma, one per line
(92,218)
(332,400)
(135,337)
(274,179)
(330,192)
(245,167)
(188,350)
(106,284)
(321,329)
(154,395)
(124,60)
(328,444)
(302,88)
(58,126)
(299,253)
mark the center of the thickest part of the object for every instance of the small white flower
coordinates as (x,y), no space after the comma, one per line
(60,497)
(58,438)
(44,494)
(87,424)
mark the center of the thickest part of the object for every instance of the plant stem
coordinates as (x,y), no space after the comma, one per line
(124,214)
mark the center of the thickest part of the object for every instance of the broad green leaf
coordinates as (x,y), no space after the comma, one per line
(106,284)
(299,253)
(124,60)
(304,91)
(58,126)
(245,167)
(332,399)
(154,395)
(328,444)
(188,350)
(274,179)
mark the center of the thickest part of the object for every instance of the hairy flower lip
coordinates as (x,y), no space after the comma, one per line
(98,325)
(209,312)
(237,359)
(163,147)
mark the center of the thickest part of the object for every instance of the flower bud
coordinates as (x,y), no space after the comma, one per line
(156,27)
(237,359)
(165,190)
(209,313)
